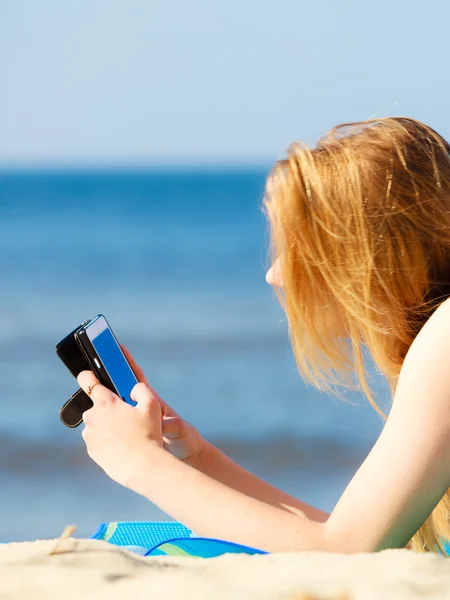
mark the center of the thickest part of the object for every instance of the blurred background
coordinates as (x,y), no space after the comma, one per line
(135,138)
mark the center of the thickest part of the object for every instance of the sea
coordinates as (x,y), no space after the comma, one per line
(176,261)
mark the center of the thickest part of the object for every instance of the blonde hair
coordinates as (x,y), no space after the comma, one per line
(361,227)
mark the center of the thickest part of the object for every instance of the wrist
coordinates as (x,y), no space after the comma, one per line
(146,464)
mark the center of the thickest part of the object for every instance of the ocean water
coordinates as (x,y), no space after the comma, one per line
(176,261)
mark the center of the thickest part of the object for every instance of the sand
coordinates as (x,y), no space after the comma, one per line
(94,569)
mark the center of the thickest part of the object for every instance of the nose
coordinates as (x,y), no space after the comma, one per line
(274,276)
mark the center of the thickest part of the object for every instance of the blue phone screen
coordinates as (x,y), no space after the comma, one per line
(114,362)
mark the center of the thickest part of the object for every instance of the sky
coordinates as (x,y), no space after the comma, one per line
(198,82)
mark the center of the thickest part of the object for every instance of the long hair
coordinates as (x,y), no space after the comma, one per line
(360,225)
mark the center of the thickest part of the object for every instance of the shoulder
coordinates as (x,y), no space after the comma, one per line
(434,337)
(424,381)
(439,322)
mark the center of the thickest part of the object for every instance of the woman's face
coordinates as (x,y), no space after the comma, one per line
(274,276)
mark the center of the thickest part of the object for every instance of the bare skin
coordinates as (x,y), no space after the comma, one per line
(153,451)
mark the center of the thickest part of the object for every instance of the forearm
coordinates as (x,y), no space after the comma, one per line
(214,463)
(212,509)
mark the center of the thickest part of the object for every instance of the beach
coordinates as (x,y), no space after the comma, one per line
(94,569)
(256,196)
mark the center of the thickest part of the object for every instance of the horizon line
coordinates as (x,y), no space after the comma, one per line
(125,167)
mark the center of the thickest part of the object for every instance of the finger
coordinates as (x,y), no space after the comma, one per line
(84,435)
(87,416)
(98,393)
(167,410)
(173,428)
(88,446)
(133,364)
(142,394)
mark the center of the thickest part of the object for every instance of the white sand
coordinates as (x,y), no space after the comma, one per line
(93,569)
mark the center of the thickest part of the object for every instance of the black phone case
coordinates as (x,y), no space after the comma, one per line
(90,355)
(71,413)
(69,352)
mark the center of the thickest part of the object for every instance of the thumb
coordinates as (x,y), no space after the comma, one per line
(147,402)
(142,379)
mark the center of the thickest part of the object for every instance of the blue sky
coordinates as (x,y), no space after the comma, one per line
(144,83)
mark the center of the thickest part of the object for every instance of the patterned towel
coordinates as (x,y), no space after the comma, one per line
(166,538)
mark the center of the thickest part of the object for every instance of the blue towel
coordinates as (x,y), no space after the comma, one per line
(166,538)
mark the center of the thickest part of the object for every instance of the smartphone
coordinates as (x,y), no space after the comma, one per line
(102,351)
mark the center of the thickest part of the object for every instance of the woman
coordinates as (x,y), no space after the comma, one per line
(361,242)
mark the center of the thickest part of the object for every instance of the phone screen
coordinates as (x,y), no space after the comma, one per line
(111,357)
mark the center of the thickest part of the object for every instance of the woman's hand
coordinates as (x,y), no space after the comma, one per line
(180,438)
(120,437)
